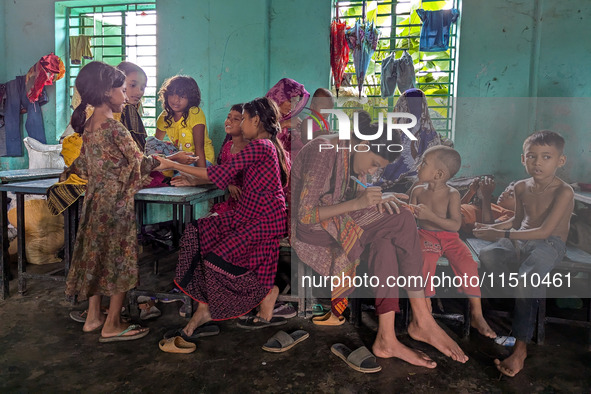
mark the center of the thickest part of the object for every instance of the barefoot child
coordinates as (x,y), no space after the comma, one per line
(438,211)
(533,241)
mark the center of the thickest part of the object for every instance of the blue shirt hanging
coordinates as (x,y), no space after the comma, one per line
(435,29)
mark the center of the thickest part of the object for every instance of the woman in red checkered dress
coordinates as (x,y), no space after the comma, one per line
(228,262)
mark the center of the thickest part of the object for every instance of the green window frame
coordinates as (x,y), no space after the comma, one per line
(119,32)
(400,28)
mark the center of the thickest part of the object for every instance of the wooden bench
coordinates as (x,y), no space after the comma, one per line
(575,261)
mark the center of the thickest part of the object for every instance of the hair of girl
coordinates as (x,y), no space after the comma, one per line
(237,107)
(94,81)
(380,145)
(183,86)
(129,67)
(268,113)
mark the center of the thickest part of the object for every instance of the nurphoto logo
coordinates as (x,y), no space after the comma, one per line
(344,127)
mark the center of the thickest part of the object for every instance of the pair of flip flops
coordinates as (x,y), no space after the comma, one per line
(122,337)
(282,341)
(257,322)
(325,320)
(176,345)
(361,359)
(205,330)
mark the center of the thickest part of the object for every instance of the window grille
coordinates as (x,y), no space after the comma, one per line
(400,28)
(118,32)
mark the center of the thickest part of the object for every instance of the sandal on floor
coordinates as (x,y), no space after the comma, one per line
(324,320)
(122,337)
(318,310)
(284,310)
(282,341)
(251,324)
(148,308)
(361,359)
(80,316)
(176,345)
(205,330)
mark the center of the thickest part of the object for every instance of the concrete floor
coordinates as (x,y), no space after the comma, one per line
(42,350)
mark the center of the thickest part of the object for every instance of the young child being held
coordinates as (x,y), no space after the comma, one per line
(533,241)
(437,208)
(486,211)
(182,119)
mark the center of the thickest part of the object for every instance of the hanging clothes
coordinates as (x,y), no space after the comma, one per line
(435,29)
(16,98)
(79,49)
(399,72)
(47,70)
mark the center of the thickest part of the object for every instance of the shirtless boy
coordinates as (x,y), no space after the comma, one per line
(437,208)
(533,241)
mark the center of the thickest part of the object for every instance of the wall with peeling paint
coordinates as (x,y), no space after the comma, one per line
(511,51)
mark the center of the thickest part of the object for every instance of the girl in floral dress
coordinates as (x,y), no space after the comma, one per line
(104,260)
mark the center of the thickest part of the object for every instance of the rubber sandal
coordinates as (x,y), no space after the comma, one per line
(176,345)
(147,307)
(282,341)
(251,324)
(324,320)
(361,359)
(122,337)
(205,330)
(318,310)
(80,316)
(285,310)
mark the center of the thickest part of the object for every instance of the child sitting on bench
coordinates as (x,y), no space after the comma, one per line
(533,241)
(438,212)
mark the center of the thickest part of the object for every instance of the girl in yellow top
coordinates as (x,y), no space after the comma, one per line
(182,119)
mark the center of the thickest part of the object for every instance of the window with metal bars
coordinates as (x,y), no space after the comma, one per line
(400,28)
(119,32)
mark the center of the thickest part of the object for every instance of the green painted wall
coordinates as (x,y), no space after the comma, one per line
(2,43)
(511,51)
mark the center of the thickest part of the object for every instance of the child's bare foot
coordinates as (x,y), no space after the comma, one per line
(480,324)
(429,332)
(384,348)
(513,364)
(268,303)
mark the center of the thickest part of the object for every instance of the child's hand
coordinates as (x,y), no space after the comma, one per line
(390,202)
(488,233)
(183,180)
(183,157)
(165,164)
(369,197)
(423,212)
(475,185)
(481,226)
(235,192)
(487,186)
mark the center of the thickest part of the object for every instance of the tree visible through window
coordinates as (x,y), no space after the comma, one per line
(118,32)
(400,29)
